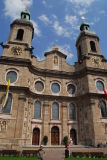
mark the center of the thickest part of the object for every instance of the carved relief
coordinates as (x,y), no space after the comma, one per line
(3,125)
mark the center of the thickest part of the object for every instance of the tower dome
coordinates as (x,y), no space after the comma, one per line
(25,14)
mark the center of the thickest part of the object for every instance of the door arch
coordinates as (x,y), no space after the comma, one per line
(36,136)
(73,135)
(54,135)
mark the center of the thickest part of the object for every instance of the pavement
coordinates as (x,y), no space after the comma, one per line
(54,154)
(59,153)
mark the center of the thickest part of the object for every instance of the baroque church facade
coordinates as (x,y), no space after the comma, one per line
(50,97)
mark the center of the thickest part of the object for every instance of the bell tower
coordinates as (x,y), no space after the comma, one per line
(20,37)
(87,43)
(21,30)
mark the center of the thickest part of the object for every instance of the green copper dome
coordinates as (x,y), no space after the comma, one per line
(25,14)
(85,27)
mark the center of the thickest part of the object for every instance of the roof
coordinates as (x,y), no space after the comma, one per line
(86,33)
(54,50)
(22,22)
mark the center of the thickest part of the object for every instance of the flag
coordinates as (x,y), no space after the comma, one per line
(6,96)
(105,93)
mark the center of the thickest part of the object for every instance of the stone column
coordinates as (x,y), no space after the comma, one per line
(46,120)
(64,120)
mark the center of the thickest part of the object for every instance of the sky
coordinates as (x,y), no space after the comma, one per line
(56,22)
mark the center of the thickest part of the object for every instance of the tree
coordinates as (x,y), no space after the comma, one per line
(65,140)
(45,140)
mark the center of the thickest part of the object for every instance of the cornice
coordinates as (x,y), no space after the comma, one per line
(52,73)
(27,92)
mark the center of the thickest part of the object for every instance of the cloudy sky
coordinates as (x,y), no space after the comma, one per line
(57,22)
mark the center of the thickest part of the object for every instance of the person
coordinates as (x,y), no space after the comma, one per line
(67,151)
(71,142)
(41,153)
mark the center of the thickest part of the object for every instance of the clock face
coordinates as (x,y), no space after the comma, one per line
(96,61)
(16,50)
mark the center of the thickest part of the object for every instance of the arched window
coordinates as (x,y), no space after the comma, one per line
(55,111)
(100,85)
(92,45)
(72,112)
(102,106)
(37,110)
(7,107)
(20,34)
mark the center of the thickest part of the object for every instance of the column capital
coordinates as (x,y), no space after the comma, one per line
(22,97)
(64,104)
(92,101)
(46,103)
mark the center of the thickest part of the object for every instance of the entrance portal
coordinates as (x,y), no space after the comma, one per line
(36,136)
(73,135)
(55,135)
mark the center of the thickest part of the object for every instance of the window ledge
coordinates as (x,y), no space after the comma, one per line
(5,115)
(55,121)
(104,119)
(36,120)
(72,121)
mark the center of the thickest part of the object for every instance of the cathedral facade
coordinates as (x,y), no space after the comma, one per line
(50,97)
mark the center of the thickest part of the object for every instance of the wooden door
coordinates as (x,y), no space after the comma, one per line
(36,136)
(55,136)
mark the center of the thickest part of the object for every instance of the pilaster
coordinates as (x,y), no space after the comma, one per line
(46,120)
(20,116)
(64,120)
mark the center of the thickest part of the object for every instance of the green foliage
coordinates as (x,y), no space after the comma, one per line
(65,140)
(45,140)
(17,158)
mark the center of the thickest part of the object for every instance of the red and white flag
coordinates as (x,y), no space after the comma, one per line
(105,93)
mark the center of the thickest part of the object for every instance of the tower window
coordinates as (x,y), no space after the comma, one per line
(86,28)
(24,16)
(20,34)
(92,45)
(80,52)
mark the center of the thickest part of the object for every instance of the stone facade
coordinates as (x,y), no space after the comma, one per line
(19,127)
